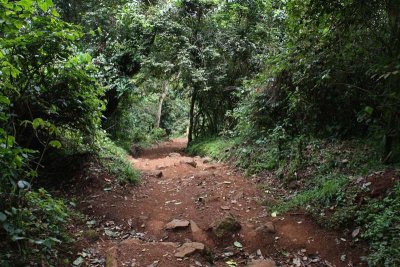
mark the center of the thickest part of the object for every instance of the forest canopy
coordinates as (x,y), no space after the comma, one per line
(99,79)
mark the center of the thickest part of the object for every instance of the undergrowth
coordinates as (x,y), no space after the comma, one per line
(33,223)
(33,228)
(115,160)
(111,156)
(217,148)
(327,179)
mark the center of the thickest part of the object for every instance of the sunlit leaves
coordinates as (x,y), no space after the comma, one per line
(44,5)
(55,144)
(4,100)
(57,88)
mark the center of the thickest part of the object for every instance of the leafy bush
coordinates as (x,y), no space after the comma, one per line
(326,193)
(133,121)
(47,86)
(36,225)
(378,219)
(115,159)
(381,221)
(217,148)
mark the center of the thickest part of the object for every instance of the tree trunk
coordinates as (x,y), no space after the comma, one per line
(160,103)
(191,115)
(392,129)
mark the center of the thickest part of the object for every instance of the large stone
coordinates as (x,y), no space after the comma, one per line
(226,226)
(267,228)
(188,249)
(91,235)
(210,168)
(156,174)
(174,155)
(270,227)
(135,151)
(198,234)
(176,224)
(111,257)
(204,174)
(192,163)
(262,263)
(194,227)
(206,160)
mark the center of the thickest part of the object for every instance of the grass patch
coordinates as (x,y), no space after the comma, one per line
(326,193)
(215,147)
(115,160)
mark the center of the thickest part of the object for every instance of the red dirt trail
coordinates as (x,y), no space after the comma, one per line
(130,221)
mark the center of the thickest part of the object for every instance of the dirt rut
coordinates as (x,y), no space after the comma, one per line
(200,193)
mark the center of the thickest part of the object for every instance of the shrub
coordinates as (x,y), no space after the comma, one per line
(381,221)
(115,159)
(36,225)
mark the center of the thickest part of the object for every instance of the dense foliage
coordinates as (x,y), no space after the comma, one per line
(337,74)
(49,99)
(279,79)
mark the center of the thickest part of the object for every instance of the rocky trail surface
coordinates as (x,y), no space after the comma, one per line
(190,211)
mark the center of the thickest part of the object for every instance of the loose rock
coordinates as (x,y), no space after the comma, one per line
(111,258)
(270,227)
(203,174)
(198,234)
(156,174)
(194,227)
(175,224)
(226,226)
(267,228)
(135,151)
(188,249)
(192,163)
(206,160)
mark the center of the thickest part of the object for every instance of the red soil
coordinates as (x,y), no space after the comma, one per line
(203,194)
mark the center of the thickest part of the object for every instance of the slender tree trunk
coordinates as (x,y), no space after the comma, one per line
(160,103)
(191,115)
(392,130)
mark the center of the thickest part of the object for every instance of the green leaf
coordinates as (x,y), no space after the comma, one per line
(3,217)
(37,122)
(4,100)
(26,4)
(111,233)
(55,144)
(16,238)
(44,5)
(23,184)
(231,263)
(10,140)
(78,261)
(55,13)
(369,110)
(238,244)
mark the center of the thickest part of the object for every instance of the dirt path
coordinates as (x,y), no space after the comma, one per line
(132,221)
